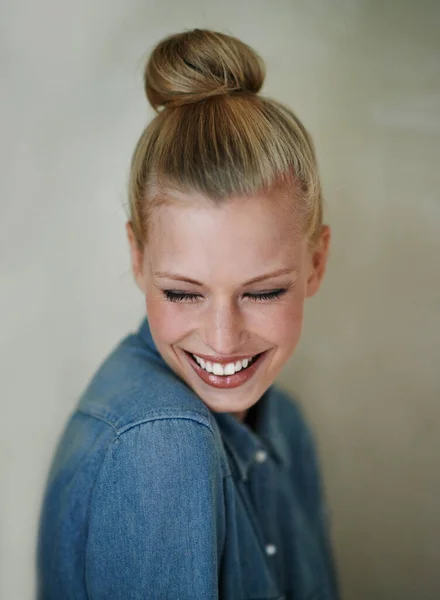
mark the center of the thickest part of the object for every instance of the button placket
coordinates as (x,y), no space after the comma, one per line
(261,456)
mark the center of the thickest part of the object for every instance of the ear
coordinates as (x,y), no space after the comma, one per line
(318,262)
(137,258)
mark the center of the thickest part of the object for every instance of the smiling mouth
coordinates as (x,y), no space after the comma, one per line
(229,379)
(233,367)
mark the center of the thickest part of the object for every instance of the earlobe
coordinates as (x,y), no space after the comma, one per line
(312,283)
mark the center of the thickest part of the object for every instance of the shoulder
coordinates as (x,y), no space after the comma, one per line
(133,385)
(133,405)
(135,427)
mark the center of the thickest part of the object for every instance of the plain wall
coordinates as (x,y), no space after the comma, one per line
(364,76)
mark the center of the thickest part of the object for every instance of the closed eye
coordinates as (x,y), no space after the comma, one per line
(272,295)
(180,296)
(174,296)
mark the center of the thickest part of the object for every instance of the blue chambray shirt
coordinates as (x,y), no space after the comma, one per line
(153,496)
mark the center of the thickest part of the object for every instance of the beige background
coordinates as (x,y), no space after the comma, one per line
(364,76)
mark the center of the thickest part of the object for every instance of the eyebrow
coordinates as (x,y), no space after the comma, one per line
(178,277)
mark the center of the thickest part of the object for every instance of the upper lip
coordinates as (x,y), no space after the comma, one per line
(224,360)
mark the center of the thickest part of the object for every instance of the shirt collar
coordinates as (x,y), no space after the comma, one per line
(242,441)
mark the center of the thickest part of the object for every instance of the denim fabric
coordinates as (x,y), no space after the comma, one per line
(151,495)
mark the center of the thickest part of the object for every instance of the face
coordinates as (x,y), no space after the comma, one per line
(225,284)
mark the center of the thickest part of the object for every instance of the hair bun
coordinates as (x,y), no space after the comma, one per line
(198,64)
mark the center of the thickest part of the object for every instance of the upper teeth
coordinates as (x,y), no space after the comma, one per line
(218,369)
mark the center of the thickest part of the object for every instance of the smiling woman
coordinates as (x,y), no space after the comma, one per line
(242,295)
(182,448)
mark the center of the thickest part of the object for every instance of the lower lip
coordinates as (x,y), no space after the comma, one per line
(227,381)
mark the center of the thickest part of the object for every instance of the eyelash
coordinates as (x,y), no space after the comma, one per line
(182,296)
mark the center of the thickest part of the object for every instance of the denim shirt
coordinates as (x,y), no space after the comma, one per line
(153,496)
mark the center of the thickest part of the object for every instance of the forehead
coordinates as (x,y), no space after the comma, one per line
(242,233)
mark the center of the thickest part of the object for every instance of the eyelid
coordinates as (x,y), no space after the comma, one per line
(179,296)
(267,295)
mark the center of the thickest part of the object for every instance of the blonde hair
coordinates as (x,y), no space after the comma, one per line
(215,135)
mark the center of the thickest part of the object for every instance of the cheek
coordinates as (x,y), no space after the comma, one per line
(167,320)
(286,325)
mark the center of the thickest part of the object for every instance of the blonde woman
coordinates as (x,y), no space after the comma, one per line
(184,472)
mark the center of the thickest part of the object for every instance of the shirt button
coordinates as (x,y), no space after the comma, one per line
(260,456)
(271,549)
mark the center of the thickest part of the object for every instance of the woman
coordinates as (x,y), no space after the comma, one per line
(184,472)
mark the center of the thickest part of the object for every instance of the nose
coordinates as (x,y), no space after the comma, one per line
(224,328)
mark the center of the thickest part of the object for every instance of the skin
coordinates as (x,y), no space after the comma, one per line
(223,248)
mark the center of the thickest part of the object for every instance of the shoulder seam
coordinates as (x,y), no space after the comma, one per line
(154,415)
(161,417)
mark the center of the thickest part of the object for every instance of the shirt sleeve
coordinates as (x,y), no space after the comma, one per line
(156,521)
